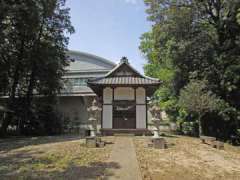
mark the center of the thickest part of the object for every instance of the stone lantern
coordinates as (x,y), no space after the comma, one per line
(93,111)
(156,119)
(94,141)
(157,141)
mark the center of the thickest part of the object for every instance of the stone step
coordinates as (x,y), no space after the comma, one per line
(137,132)
(124,134)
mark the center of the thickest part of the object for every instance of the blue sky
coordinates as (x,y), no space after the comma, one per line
(109,28)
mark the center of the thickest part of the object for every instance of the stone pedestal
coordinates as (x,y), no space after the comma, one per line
(98,140)
(101,144)
(218,145)
(91,142)
(159,143)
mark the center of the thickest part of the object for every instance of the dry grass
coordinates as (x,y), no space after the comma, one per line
(187,159)
(53,158)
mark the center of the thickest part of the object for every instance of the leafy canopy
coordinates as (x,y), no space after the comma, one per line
(195,97)
(33,45)
(192,39)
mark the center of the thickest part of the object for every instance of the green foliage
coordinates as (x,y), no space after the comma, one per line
(189,128)
(195,40)
(182,115)
(49,119)
(238,16)
(238,132)
(195,97)
(33,45)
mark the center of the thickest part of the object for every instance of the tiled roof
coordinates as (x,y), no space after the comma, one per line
(123,74)
(125,81)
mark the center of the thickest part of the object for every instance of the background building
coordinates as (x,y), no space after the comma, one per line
(76,96)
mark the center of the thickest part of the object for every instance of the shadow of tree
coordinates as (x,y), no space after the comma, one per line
(31,169)
(170,145)
(108,142)
(96,170)
(169,135)
(14,143)
(37,163)
(10,163)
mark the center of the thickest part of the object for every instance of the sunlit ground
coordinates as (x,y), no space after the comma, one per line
(187,159)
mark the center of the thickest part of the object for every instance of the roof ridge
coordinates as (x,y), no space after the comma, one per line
(121,64)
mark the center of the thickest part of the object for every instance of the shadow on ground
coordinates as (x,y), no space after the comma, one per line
(36,163)
(169,135)
(96,170)
(14,143)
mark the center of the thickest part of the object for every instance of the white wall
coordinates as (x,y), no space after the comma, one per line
(107,95)
(124,93)
(140,109)
(140,116)
(140,96)
(107,109)
(107,116)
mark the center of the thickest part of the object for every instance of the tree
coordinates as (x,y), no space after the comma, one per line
(194,39)
(170,49)
(32,53)
(195,97)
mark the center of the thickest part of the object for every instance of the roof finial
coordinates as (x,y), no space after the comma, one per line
(124,59)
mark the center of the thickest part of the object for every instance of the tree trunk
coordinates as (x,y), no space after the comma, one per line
(7,120)
(5,124)
(12,96)
(200,125)
(32,81)
(29,98)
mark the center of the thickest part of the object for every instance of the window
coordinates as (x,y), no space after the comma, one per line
(78,81)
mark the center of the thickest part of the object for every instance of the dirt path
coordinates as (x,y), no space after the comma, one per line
(124,154)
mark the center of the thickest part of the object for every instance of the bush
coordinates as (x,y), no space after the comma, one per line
(190,128)
(50,122)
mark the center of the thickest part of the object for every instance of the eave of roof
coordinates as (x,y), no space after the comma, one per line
(125,81)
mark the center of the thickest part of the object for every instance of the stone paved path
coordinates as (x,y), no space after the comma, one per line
(124,154)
